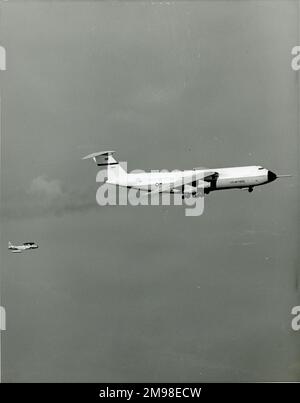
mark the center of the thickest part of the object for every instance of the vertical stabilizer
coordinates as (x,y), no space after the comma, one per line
(106,160)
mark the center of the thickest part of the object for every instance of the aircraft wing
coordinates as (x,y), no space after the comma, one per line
(17,251)
(180,182)
(209,175)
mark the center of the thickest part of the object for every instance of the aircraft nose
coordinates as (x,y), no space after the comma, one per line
(271,176)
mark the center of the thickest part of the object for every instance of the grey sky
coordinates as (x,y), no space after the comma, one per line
(147,294)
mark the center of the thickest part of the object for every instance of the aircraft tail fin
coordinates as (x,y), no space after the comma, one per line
(105,160)
(10,244)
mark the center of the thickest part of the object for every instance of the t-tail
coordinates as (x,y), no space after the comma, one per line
(105,160)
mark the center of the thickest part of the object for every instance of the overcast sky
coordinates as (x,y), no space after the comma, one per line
(145,293)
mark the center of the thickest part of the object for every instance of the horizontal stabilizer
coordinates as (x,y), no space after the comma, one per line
(103,158)
(93,155)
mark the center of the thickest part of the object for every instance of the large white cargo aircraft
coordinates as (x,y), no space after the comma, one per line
(22,248)
(187,182)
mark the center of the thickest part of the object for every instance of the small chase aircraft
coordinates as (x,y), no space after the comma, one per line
(22,248)
(187,182)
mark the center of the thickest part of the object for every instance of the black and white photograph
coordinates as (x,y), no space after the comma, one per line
(150,201)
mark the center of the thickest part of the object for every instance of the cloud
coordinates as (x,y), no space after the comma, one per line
(52,196)
(49,189)
(45,196)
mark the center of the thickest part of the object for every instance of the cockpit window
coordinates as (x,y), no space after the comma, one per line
(261,168)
